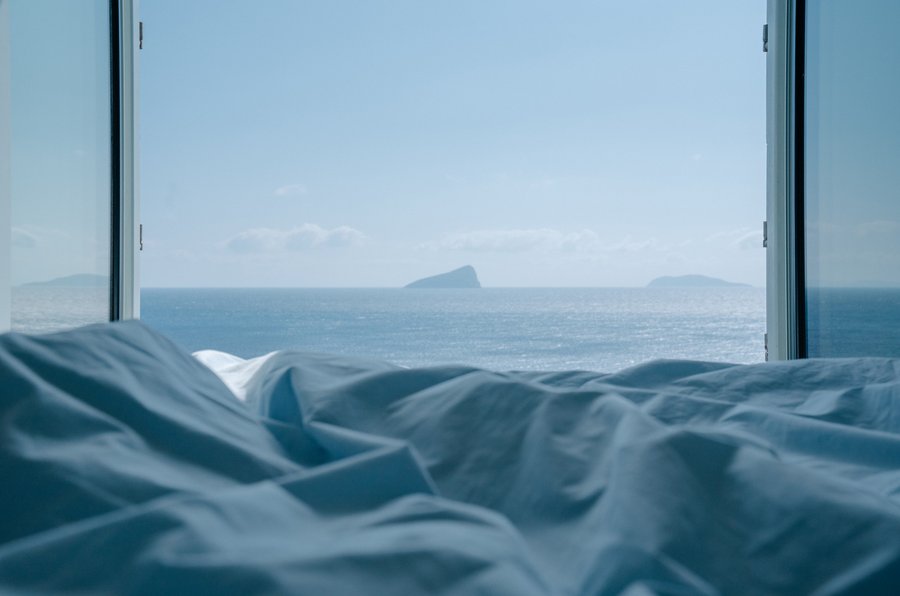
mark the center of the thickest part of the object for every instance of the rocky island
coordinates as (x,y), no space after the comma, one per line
(462,278)
(80,280)
(693,281)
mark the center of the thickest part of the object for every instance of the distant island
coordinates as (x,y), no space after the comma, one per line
(81,280)
(464,277)
(693,281)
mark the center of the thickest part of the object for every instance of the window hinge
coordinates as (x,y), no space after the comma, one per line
(765,38)
(141,35)
(765,234)
(140,237)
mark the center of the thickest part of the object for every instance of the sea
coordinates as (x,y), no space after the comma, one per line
(604,329)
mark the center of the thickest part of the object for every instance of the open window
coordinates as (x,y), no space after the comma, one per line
(833,180)
(302,163)
(68,192)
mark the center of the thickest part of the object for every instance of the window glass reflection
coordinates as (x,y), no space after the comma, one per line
(852,178)
(60,163)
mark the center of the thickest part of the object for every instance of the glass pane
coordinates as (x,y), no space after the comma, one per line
(60,163)
(852,178)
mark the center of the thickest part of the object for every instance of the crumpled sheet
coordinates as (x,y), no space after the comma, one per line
(129,467)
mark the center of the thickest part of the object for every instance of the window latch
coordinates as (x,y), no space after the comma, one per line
(141,35)
(765,234)
(766,38)
(141,237)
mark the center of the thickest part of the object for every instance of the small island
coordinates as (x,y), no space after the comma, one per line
(80,280)
(462,278)
(693,281)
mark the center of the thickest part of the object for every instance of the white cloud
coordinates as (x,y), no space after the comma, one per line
(23,238)
(590,244)
(313,236)
(741,238)
(291,190)
(304,237)
(256,240)
(749,241)
(547,240)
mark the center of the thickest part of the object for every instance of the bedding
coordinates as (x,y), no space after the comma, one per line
(129,467)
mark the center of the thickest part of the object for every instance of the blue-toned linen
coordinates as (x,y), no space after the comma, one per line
(128,467)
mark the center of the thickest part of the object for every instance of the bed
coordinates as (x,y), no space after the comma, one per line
(130,467)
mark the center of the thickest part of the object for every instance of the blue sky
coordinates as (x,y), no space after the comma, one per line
(299,143)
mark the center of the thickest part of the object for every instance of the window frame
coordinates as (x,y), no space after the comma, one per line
(125,36)
(785,259)
(5,190)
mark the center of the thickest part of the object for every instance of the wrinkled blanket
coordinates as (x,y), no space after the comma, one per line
(128,467)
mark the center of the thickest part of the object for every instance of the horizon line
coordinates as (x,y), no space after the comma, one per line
(643,287)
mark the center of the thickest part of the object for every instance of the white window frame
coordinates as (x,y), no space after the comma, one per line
(783,246)
(127,299)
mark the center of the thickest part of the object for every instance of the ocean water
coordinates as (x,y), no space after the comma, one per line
(531,329)
(43,309)
(853,322)
(603,329)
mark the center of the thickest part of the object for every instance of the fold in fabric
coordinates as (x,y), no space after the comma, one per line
(129,467)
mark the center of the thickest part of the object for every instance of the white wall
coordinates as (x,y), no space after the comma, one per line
(5,187)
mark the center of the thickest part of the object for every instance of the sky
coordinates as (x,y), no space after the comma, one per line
(368,144)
